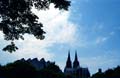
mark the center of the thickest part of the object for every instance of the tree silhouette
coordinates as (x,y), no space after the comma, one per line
(18,19)
(24,69)
(19,69)
(98,75)
(109,73)
(51,71)
(52,67)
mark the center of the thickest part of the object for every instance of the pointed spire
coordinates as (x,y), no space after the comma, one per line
(76,59)
(76,62)
(69,56)
(68,63)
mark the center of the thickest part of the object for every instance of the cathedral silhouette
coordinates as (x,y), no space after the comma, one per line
(75,70)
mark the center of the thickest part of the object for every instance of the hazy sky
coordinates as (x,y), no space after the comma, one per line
(92,27)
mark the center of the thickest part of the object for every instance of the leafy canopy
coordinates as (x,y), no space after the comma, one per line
(18,19)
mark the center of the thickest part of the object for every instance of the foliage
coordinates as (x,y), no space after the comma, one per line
(18,19)
(110,73)
(53,68)
(49,74)
(98,75)
(23,69)
(19,69)
(51,71)
(10,47)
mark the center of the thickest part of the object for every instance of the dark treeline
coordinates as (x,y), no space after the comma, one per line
(109,73)
(23,69)
(20,69)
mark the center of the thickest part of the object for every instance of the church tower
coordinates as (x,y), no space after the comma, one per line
(76,62)
(75,71)
(68,68)
(68,63)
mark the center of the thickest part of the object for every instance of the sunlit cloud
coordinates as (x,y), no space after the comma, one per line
(59,30)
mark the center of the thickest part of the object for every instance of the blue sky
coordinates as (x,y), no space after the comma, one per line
(91,27)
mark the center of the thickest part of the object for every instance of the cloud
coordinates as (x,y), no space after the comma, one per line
(1,35)
(58,31)
(112,33)
(101,40)
(57,26)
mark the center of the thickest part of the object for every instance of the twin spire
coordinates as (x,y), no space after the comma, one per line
(69,63)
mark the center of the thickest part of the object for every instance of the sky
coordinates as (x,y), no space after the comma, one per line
(90,27)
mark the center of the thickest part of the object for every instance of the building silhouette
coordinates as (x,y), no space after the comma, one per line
(38,64)
(74,70)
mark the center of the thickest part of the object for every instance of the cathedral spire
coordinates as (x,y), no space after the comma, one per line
(76,59)
(76,62)
(68,63)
